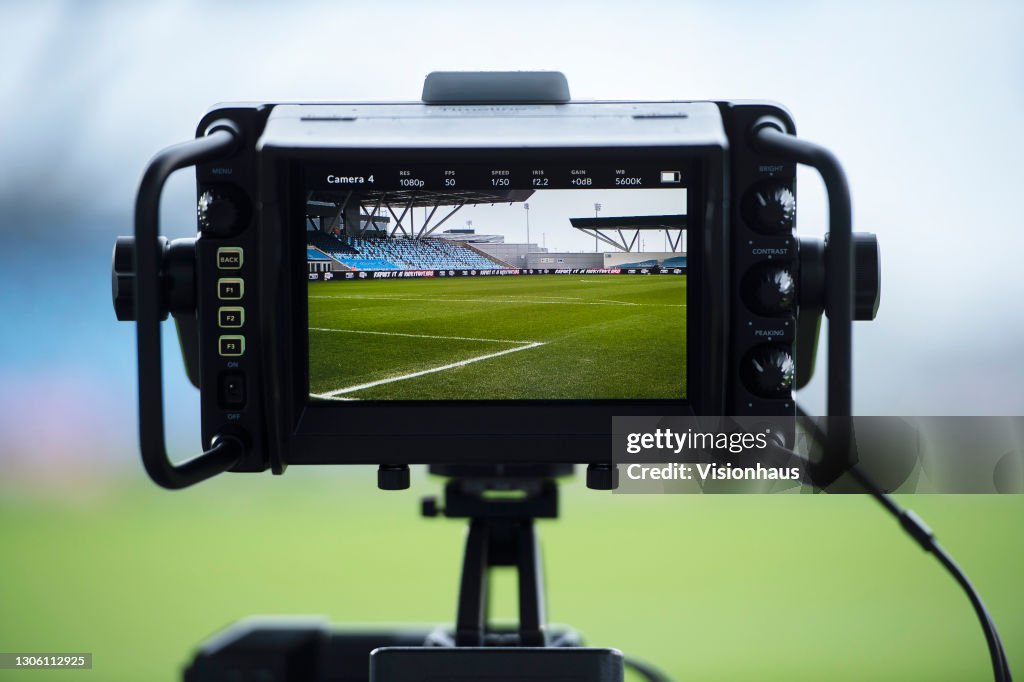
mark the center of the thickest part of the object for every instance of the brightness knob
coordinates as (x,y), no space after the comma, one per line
(768,371)
(771,208)
(219,213)
(769,290)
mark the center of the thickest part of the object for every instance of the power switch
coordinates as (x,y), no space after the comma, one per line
(232,390)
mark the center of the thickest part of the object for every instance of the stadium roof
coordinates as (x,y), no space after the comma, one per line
(428,198)
(609,230)
(329,209)
(637,222)
(371,202)
(434,198)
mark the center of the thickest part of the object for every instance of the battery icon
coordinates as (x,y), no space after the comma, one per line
(671,176)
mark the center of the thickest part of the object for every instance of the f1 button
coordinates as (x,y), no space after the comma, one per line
(230,288)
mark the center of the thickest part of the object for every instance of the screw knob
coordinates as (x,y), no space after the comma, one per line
(122,285)
(867,276)
(393,476)
(602,476)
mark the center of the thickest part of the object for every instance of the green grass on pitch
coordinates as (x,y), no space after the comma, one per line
(709,587)
(599,336)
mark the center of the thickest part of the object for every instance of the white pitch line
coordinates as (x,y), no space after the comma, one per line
(416,336)
(432,370)
(499,300)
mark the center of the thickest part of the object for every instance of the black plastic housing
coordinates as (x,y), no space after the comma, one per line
(277,423)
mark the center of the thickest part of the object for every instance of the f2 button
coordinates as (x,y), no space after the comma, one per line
(229,317)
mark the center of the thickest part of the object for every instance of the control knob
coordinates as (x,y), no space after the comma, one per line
(769,289)
(768,371)
(771,208)
(219,213)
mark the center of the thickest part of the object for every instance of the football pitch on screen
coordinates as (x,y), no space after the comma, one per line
(535,337)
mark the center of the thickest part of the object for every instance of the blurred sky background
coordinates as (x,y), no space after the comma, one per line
(922,102)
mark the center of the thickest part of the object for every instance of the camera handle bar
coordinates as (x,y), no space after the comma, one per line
(149,283)
(769,136)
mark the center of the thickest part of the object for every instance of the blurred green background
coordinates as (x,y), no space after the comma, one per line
(787,587)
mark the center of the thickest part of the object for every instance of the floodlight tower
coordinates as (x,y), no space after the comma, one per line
(526,207)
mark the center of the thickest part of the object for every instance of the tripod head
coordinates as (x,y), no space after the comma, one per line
(501,511)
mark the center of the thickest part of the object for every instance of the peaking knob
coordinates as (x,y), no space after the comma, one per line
(771,207)
(769,289)
(768,371)
(220,213)
(122,285)
(867,276)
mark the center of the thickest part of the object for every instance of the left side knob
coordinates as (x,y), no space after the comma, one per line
(123,278)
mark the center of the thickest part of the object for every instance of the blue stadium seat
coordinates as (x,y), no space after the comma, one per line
(381,253)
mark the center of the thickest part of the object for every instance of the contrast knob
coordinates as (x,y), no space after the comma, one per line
(771,208)
(122,285)
(768,371)
(867,276)
(769,290)
(219,213)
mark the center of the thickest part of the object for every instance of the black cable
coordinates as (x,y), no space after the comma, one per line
(646,670)
(922,534)
(925,538)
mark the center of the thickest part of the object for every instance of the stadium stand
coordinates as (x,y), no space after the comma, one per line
(326,243)
(316,254)
(379,253)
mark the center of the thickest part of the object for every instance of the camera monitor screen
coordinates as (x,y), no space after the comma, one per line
(492,282)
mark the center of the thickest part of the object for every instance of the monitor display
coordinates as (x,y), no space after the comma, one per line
(496,282)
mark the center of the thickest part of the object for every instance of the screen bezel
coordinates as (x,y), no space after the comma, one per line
(454,431)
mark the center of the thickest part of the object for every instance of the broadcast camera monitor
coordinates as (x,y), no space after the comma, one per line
(443,282)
